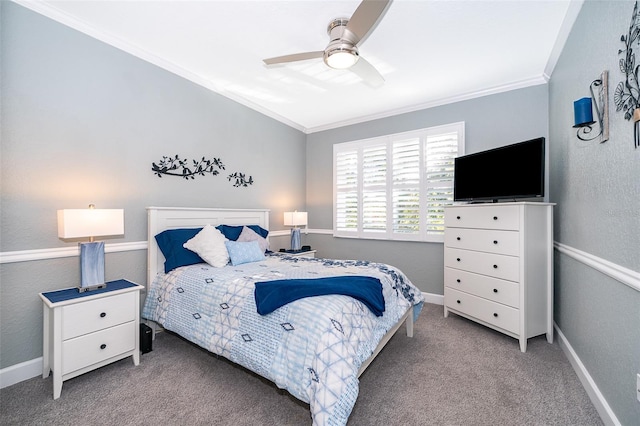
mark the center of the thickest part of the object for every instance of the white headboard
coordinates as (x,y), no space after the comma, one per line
(162,218)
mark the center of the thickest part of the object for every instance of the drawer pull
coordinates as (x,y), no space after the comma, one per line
(458,217)
(495,290)
(103,346)
(458,280)
(458,301)
(458,259)
(495,218)
(495,315)
(458,238)
(495,266)
(495,241)
(103,314)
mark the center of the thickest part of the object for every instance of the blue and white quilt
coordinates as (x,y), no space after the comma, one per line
(312,347)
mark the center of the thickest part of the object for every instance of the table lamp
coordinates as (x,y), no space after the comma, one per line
(90,223)
(295,219)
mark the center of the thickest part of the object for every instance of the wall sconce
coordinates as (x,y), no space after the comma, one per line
(295,219)
(91,222)
(583,115)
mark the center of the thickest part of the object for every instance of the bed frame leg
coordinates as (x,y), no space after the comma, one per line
(409,323)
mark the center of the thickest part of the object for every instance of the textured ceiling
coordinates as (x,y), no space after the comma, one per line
(429,52)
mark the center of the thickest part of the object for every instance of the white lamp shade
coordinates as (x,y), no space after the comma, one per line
(295,218)
(80,223)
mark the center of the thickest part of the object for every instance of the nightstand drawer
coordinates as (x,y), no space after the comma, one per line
(481,217)
(492,313)
(95,347)
(488,240)
(497,290)
(90,316)
(493,265)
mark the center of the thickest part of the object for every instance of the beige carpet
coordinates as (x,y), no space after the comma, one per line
(452,372)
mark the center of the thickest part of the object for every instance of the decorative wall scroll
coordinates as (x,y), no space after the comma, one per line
(627,94)
(175,166)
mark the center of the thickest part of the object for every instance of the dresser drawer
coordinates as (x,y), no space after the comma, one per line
(481,217)
(491,241)
(95,347)
(493,265)
(493,313)
(90,316)
(497,290)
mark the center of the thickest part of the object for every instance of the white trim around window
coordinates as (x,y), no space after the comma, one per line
(395,187)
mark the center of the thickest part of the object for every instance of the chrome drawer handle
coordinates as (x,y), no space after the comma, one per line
(103,346)
(103,314)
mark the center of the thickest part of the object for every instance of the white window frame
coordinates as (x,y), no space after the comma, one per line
(357,147)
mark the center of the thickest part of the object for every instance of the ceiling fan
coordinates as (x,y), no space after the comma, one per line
(345,37)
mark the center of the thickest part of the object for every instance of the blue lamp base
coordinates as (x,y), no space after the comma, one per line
(91,266)
(295,239)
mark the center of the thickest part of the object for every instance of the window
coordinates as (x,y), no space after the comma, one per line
(395,187)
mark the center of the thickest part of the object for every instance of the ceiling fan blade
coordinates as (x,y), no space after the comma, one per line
(368,73)
(364,20)
(294,57)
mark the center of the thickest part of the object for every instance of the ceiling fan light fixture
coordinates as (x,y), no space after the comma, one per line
(341,59)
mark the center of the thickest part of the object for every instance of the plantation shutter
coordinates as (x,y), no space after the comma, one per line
(396,187)
(406,186)
(374,188)
(440,151)
(346,188)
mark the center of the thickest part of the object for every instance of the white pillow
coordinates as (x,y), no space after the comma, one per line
(249,234)
(209,245)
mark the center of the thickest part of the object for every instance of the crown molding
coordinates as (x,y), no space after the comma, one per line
(51,12)
(565,29)
(533,81)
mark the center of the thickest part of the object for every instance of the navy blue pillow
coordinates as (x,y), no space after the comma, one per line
(233,232)
(170,243)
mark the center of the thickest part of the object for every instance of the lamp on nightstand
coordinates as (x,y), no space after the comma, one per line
(295,219)
(90,223)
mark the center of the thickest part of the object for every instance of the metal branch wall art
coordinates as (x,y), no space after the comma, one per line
(627,95)
(175,166)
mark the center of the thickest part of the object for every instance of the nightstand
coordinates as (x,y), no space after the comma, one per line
(85,331)
(308,253)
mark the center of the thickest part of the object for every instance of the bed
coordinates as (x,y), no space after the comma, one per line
(315,348)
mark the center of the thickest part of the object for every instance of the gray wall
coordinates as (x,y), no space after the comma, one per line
(490,121)
(597,189)
(81,123)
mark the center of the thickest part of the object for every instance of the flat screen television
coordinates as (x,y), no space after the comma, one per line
(510,172)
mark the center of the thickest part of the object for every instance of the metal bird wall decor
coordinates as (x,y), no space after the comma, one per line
(175,166)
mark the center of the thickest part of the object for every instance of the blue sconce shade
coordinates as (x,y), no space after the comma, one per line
(582,112)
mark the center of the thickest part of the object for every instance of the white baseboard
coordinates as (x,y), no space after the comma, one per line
(20,372)
(436,299)
(606,413)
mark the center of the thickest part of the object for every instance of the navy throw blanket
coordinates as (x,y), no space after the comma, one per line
(270,295)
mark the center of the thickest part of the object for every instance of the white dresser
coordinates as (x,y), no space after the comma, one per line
(498,267)
(84,331)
